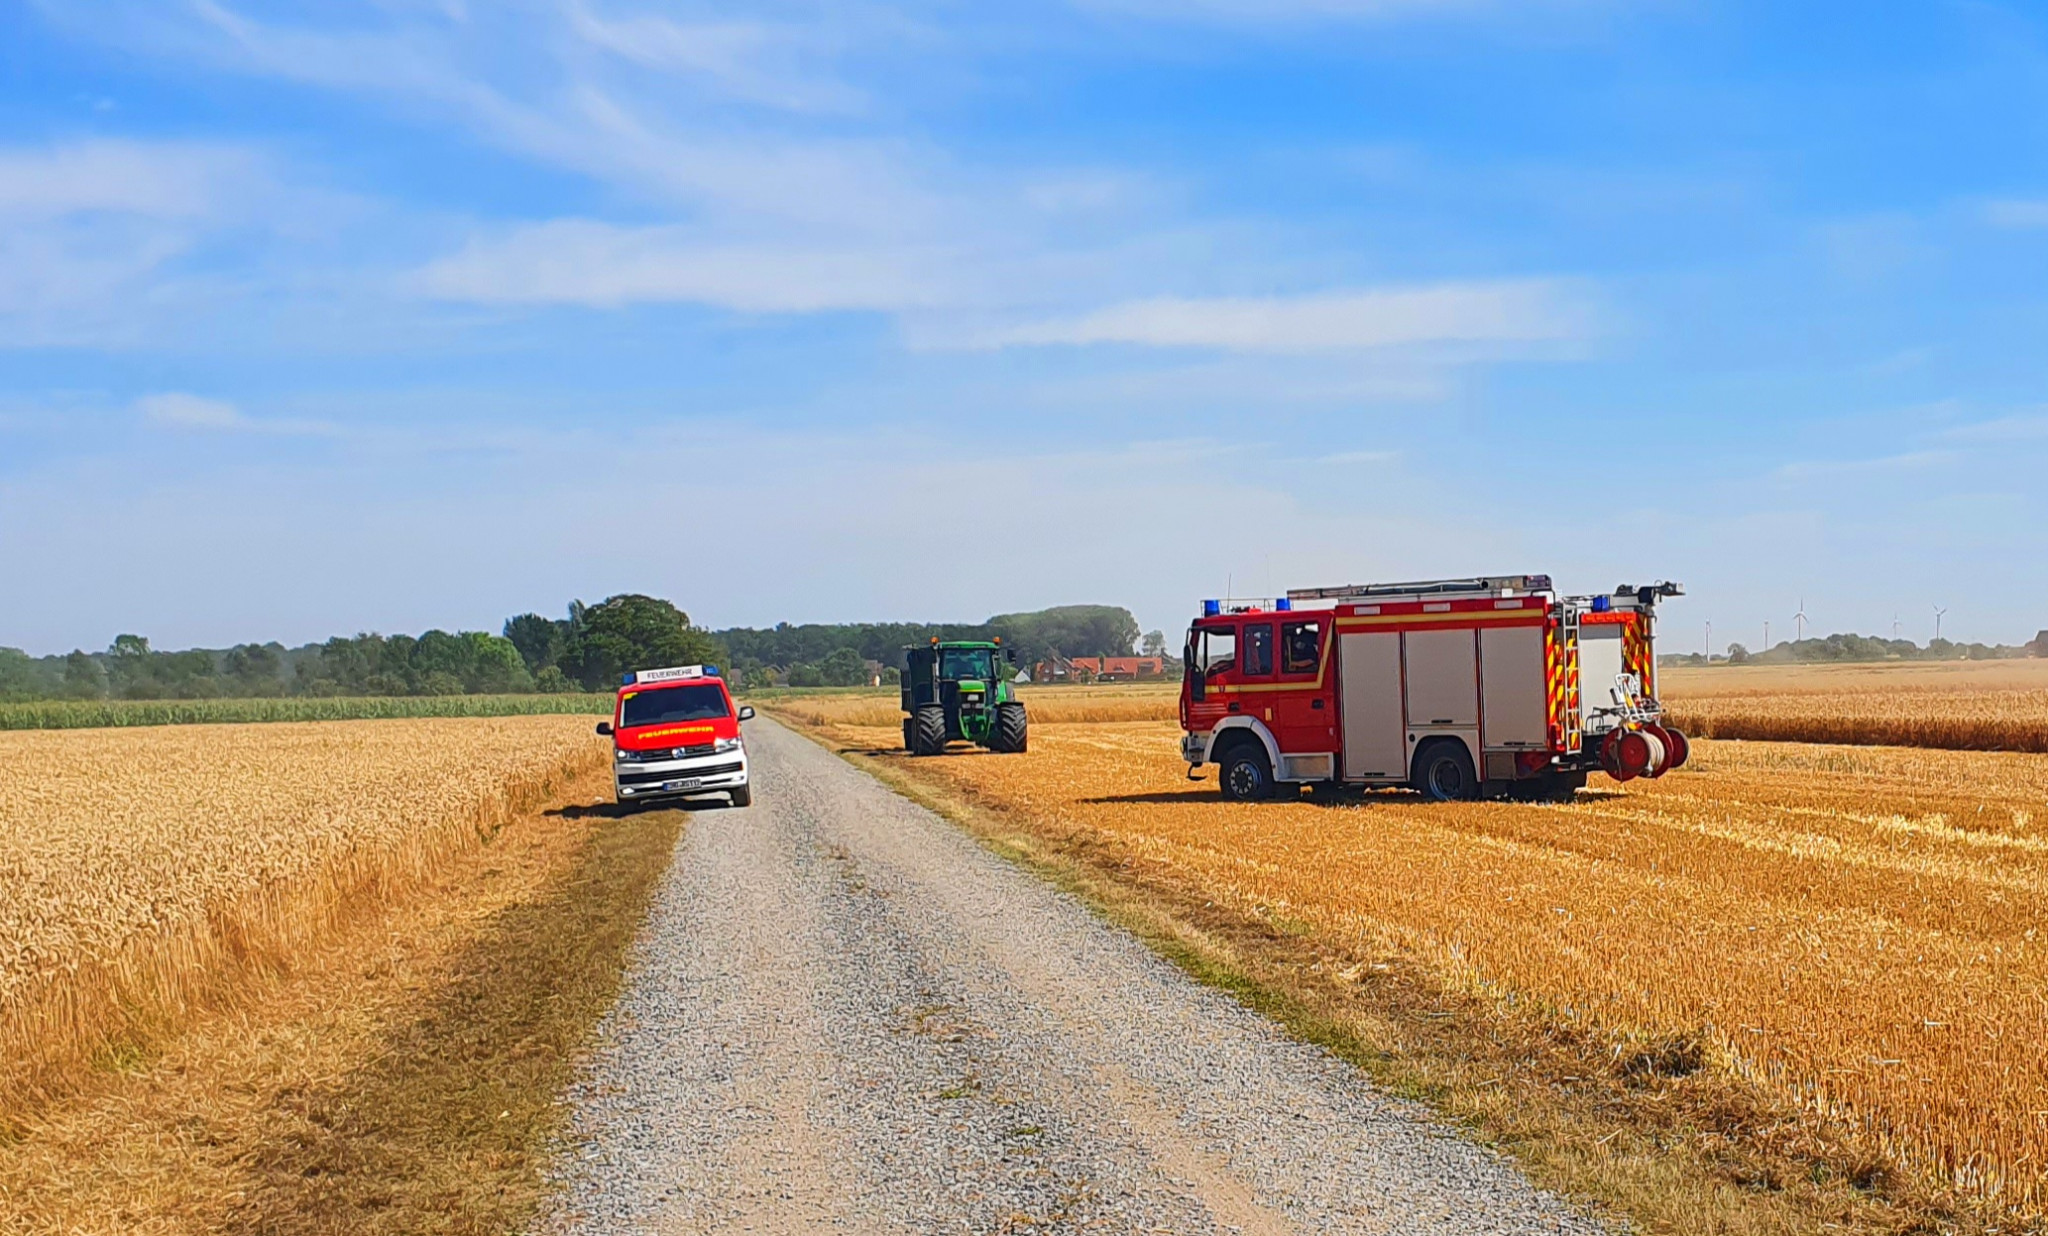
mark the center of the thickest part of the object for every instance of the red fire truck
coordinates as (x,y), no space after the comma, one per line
(1462,688)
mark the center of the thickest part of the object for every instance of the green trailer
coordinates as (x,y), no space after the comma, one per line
(955,691)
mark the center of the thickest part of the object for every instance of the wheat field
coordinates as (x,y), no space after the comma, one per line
(1855,928)
(140,869)
(1953,705)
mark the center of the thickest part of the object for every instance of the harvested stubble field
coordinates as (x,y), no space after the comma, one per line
(1851,930)
(1953,705)
(145,872)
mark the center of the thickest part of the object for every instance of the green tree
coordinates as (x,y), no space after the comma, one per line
(539,640)
(84,677)
(254,669)
(844,668)
(496,668)
(801,675)
(128,668)
(632,632)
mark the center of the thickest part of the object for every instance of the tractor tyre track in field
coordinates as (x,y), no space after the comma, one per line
(845,1015)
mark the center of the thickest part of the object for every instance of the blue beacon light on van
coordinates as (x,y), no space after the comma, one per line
(1211,608)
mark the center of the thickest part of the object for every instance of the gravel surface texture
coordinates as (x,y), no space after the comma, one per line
(846,1016)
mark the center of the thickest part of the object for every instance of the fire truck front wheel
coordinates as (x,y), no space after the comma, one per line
(1443,771)
(1243,773)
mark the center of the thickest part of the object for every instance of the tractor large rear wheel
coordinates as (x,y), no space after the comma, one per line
(928,731)
(1012,733)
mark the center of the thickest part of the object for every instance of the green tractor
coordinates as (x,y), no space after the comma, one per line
(955,692)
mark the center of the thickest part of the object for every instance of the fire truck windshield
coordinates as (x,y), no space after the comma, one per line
(957,663)
(699,702)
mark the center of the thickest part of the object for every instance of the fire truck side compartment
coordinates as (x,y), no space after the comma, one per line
(1511,680)
(1370,688)
(1599,662)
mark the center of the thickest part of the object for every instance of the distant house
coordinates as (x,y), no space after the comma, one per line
(1097,669)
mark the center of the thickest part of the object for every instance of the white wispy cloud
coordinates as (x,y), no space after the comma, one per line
(171,180)
(1519,311)
(585,262)
(2017,213)
(186,411)
(2021,427)
(774,65)
(90,230)
(1903,462)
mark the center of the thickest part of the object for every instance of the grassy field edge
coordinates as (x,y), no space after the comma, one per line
(1658,1135)
(451,1124)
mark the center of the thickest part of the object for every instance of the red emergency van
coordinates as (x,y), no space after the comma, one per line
(676,734)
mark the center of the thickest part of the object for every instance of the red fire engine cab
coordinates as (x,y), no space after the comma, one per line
(1463,688)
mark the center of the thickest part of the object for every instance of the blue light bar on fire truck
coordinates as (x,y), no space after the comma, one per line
(674,673)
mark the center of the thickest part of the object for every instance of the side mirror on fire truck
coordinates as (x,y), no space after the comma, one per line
(605,728)
(746,712)
(1198,686)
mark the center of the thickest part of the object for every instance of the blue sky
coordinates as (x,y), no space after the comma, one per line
(318,317)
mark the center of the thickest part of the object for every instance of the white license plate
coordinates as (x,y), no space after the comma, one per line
(687,783)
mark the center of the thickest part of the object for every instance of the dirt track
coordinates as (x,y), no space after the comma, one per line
(847,1016)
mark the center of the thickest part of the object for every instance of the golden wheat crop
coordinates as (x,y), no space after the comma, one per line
(1960,706)
(1854,927)
(137,865)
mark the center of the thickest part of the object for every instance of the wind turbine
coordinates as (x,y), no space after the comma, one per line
(1895,624)
(1710,639)
(1938,612)
(1799,621)
(1767,635)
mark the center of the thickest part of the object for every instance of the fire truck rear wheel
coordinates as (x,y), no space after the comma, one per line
(928,733)
(1012,733)
(1443,771)
(1243,773)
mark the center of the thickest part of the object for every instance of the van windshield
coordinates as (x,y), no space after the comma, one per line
(664,705)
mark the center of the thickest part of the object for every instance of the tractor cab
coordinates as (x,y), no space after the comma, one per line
(955,691)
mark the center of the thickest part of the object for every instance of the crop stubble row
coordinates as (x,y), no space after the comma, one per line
(138,866)
(1855,927)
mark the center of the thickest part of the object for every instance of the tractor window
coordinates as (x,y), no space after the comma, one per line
(1258,649)
(1218,651)
(1301,646)
(958,663)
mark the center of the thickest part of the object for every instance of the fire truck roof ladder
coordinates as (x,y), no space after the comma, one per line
(1484,585)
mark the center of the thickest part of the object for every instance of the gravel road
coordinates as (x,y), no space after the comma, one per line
(846,1016)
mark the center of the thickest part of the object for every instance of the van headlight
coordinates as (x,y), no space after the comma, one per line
(724,745)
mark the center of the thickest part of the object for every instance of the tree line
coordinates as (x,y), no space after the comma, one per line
(844,654)
(1850,647)
(585,650)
